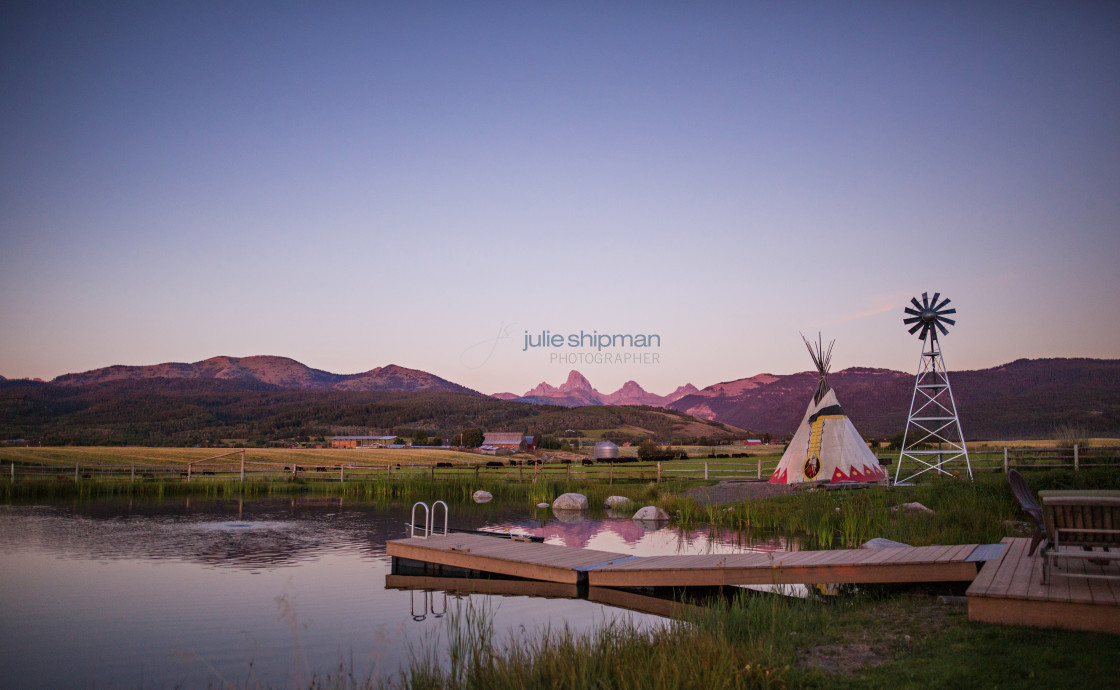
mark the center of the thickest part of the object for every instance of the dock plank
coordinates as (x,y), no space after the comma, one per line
(1007,567)
(988,570)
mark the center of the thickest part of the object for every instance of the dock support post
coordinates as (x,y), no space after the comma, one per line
(243,464)
(1075,458)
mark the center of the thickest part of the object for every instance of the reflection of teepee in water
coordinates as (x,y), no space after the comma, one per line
(826,447)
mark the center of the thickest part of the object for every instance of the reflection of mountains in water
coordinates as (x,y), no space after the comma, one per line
(219,534)
(579,533)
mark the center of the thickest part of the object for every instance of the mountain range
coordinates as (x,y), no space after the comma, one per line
(577,392)
(281,372)
(1024,398)
(1021,399)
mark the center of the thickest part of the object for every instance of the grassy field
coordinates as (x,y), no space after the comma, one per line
(105,455)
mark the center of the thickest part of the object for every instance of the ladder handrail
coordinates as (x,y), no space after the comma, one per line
(431,526)
(427,521)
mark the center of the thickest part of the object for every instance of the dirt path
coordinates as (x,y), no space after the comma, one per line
(734,492)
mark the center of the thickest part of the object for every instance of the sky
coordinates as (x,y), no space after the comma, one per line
(358,184)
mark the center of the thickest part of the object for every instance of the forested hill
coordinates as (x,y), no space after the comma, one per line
(1027,398)
(193,411)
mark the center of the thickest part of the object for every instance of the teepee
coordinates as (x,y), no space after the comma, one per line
(826,447)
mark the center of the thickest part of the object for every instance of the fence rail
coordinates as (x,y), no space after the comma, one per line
(759,468)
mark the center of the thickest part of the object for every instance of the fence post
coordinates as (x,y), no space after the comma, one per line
(433,471)
(133,477)
(75,472)
(658,471)
(476,472)
(242,464)
(1005,459)
(705,469)
(611,475)
(341,474)
(188,471)
(759,467)
(13,472)
(520,470)
(569,473)
(1075,457)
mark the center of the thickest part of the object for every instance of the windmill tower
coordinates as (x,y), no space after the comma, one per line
(933,437)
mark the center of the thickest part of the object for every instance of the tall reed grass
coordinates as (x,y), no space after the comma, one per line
(744,643)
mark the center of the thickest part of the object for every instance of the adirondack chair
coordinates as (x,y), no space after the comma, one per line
(1082,526)
(1023,495)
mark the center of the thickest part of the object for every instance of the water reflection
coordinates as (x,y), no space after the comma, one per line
(190,592)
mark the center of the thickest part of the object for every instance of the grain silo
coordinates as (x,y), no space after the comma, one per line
(605,450)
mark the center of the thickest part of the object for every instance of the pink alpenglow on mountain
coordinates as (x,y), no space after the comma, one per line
(577,390)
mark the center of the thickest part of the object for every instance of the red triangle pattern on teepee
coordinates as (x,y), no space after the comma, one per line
(780,476)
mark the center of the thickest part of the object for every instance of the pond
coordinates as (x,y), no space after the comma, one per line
(190,592)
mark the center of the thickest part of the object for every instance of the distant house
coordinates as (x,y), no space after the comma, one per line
(361,441)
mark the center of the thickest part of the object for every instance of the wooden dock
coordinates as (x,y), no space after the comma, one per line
(529,560)
(564,564)
(1009,590)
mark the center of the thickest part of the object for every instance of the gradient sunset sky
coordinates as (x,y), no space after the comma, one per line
(358,184)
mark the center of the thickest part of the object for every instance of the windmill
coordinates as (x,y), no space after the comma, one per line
(933,416)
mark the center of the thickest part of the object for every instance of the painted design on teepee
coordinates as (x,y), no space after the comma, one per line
(827,446)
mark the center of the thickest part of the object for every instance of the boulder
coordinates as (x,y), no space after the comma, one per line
(482,496)
(542,505)
(881,543)
(914,507)
(651,514)
(615,501)
(570,502)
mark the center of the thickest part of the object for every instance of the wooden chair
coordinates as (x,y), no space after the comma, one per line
(1023,495)
(1082,527)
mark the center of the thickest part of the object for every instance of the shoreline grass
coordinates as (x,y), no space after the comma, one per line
(873,639)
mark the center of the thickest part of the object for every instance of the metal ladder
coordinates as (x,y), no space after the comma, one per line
(429,518)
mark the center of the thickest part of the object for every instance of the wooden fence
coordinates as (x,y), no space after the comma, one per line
(234,466)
